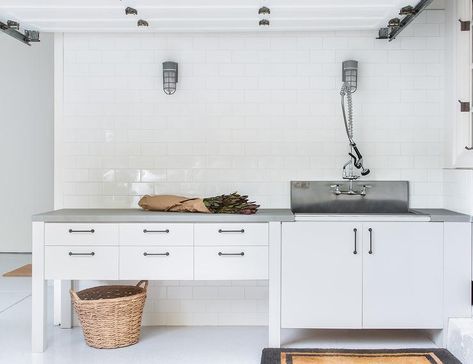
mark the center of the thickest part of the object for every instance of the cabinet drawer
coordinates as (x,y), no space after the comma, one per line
(81,262)
(231,234)
(81,234)
(159,263)
(231,263)
(156,234)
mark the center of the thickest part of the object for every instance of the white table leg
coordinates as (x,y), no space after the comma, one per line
(38,292)
(57,302)
(274,284)
(66,305)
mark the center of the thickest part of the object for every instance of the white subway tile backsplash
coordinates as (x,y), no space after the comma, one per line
(251,112)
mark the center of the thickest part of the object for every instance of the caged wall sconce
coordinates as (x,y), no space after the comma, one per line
(170,77)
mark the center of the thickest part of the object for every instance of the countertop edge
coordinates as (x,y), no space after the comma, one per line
(138,215)
(443,215)
(263,215)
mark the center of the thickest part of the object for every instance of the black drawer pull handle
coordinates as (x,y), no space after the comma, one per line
(371,241)
(156,254)
(156,231)
(91,231)
(241,231)
(71,254)
(355,231)
(220,254)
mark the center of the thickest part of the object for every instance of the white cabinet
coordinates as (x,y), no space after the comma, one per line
(394,281)
(321,275)
(159,251)
(402,277)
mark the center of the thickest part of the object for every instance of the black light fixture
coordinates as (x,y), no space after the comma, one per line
(142,23)
(394,23)
(170,77)
(13,24)
(264,11)
(264,22)
(131,11)
(396,26)
(32,35)
(407,10)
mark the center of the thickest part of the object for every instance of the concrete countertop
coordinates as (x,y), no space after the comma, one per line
(443,215)
(139,215)
(426,215)
(263,215)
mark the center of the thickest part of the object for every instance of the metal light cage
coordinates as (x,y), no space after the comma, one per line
(170,77)
(350,75)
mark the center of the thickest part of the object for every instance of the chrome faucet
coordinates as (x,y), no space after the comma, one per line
(336,189)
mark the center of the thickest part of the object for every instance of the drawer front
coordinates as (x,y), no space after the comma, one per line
(159,263)
(231,263)
(81,262)
(81,234)
(157,234)
(231,234)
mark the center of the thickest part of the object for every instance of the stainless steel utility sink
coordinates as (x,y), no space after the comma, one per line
(359,197)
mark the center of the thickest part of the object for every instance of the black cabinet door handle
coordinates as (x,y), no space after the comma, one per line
(166,231)
(371,241)
(220,254)
(355,230)
(91,231)
(241,231)
(91,254)
(156,254)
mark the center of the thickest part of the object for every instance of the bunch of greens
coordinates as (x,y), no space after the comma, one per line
(231,204)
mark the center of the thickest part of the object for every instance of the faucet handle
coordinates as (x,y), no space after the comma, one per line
(336,189)
(364,189)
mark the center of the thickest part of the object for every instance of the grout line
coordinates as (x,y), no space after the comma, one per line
(15,303)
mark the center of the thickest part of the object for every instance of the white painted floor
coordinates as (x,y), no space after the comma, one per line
(167,345)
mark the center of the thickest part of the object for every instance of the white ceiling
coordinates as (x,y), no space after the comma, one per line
(199,15)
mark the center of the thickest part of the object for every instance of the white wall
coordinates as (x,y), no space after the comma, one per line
(26,137)
(251,113)
(458,190)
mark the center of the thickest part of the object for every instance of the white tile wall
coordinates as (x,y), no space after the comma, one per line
(251,113)
(458,187)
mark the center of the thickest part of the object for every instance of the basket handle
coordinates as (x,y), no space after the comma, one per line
(141,282)
(74,295)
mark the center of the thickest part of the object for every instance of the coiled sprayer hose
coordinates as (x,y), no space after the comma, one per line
(345,91)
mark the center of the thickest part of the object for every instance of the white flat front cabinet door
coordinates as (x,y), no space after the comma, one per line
(321,275)
(402,277)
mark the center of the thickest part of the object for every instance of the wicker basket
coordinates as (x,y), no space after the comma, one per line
(111,315)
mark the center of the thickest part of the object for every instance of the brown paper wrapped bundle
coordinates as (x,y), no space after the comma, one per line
(172,203)
(222,204)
